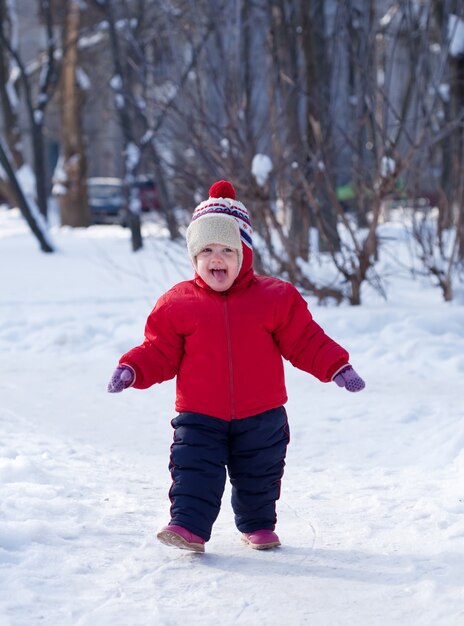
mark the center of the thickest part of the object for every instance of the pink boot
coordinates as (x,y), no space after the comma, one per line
(180,537)
(261,539)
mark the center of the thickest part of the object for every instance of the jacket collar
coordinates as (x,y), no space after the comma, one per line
(241,282)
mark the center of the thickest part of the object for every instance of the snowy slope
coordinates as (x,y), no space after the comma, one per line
(372,510)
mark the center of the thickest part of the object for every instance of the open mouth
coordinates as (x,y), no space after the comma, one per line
(219,274)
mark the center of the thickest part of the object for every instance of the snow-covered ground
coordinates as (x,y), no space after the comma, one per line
(372,510)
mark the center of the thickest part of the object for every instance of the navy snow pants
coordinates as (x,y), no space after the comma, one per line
(253,450)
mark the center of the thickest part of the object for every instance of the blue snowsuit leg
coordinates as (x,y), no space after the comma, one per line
(254,451)
(198,470)
(257,449)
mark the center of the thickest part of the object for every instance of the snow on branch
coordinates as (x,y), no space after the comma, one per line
(456,36)
(261,167)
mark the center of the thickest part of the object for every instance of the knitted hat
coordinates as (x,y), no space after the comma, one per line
(220,219)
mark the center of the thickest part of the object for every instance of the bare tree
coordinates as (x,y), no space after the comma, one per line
(340,96)
(36,100)
(74,207)
(8,93)
(440,238)
(8,100)
(132,151)
(33,218)
(346,101)
(393,136)
(141,117)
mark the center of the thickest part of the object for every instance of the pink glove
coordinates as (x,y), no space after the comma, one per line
(348,378)
(122,378)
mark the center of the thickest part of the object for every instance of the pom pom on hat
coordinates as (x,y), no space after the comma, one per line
(222,189)
(220,219)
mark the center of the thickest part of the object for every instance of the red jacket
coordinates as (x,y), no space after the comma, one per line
(226,348)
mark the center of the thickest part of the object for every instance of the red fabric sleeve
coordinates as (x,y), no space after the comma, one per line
(158,358)
(303,342)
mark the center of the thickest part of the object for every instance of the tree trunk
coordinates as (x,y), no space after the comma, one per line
(9,113)
(355,297)
(39,167)
(126,127)
(73,205)
(318,127)
(23,204)
(165,202)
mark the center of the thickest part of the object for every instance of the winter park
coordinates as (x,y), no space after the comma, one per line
(175,224)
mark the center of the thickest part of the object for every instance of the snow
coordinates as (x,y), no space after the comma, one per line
(26,180)
(59,178)
(444,91)
(164,93)
(10,86)
(38,116)
(371,515)
(119,100)
(261,167)
(225,149)
(386,19)
(92,40)
(456,36)
(83,79)
(116,82)
(132,154)
(387,166)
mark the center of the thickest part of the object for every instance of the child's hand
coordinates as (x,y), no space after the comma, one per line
(123,377)
(349,379)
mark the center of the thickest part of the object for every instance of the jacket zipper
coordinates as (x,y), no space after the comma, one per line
(229,351)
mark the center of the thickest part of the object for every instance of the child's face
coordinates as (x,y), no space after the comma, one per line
(217,265)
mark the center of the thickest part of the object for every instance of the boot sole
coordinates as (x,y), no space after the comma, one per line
(261,546)
(170,538)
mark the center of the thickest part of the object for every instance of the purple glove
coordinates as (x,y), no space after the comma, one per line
(348,378)
(122,378)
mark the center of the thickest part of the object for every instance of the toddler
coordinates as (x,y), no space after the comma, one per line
(223,335)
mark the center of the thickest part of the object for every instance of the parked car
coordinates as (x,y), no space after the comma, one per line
(148,194)
(107,200)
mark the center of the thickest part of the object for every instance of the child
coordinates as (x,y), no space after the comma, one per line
(223,334)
